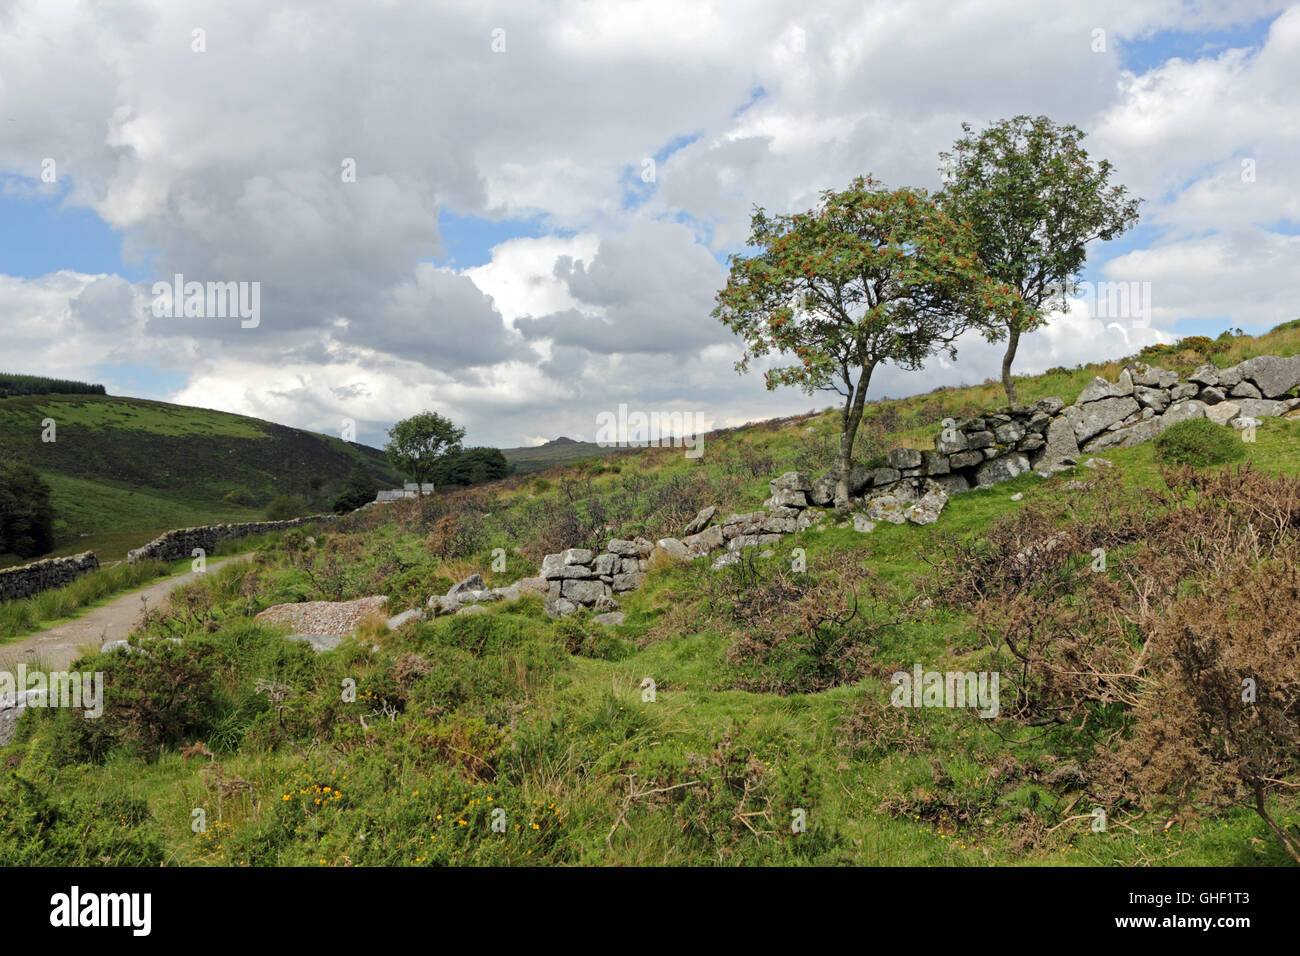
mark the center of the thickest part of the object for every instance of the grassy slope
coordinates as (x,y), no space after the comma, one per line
(574,729)
(527,460)
(125,469)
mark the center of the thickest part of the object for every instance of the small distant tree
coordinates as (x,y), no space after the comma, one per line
(870,276)
(416,444)
(1034,200)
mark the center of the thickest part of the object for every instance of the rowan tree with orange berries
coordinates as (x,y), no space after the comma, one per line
(870,276)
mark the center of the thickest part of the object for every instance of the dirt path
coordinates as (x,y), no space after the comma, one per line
(59,646)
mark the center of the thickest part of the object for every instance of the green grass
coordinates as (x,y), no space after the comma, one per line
(137,414)
(26,616)
(531,459)
(505,718)
(123,470)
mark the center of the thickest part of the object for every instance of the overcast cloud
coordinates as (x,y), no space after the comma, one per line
(230,165)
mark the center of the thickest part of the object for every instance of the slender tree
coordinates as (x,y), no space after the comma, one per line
(870,276)
(416,444)
(1034,200)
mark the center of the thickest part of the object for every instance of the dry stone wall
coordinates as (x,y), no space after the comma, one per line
(181,543)
(21,582)
(914,485)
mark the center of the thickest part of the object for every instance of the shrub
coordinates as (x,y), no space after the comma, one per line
(1197,343)
(37,829)
(1219,723)
(359,489)
(1155,351)
(1198,442)
(160,696)
(285,507)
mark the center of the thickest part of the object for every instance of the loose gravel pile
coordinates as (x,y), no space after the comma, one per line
(339,618)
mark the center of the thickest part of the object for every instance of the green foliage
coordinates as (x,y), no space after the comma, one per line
(241,497)
(416,444)
(1197,343)
(37,828)
(159,697)
(26,513)
(1034,200)
(473,466)
(359,488)
(11,384)
(870,276)
(1199,442)
(284,507)
(587,639)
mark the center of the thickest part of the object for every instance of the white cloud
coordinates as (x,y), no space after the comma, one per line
(226,165)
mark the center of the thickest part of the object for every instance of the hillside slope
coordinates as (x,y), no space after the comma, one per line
(124,469)
(558,451)
(739,715)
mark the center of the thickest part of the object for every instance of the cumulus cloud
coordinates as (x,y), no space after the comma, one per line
(231,165)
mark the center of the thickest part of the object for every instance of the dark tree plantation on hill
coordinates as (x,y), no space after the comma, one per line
(473,466)
(11,384)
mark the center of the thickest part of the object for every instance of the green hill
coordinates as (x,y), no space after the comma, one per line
(738,715)
(124,469)
(558,451)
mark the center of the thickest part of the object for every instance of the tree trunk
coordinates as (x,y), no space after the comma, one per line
(850,419)
(1013,341)
(1281,834)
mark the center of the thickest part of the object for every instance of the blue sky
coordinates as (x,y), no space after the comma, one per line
(40,234)
(1148,52)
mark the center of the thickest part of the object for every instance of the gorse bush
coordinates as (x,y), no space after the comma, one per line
(155,697)
(37,828)
(1199,442)
(1197,343)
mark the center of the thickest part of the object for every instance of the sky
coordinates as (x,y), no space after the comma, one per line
(518,214)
